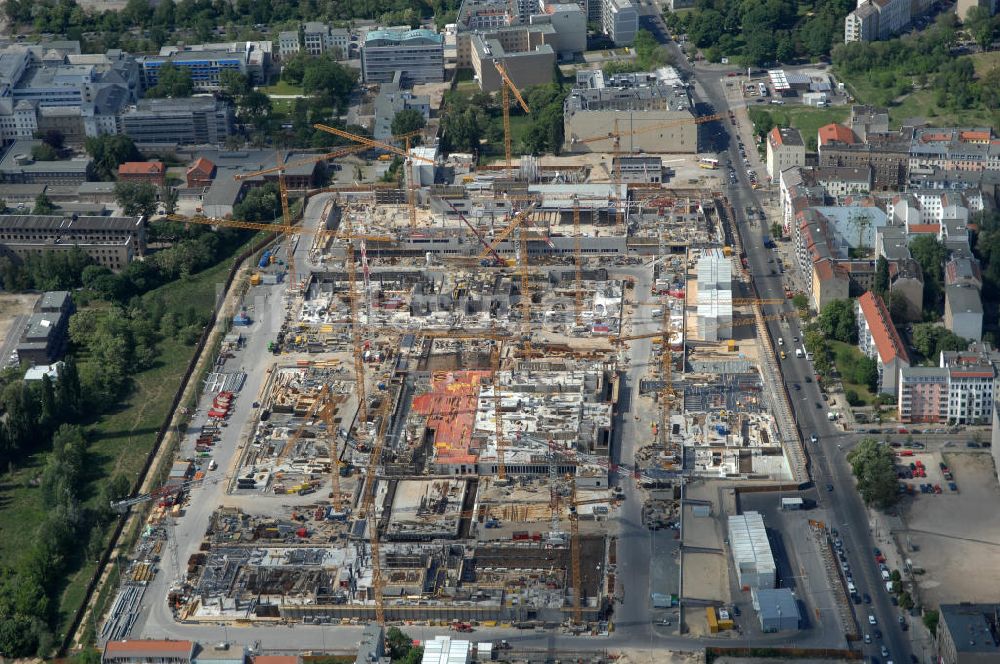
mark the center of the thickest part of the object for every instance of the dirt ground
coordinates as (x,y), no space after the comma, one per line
(706,576)
(14,305)
(957,533)
(660,657)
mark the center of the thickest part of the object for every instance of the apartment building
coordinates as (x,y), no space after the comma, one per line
(874,20)
(963,311)
(417,54)
(619,21)
(888,155)
(965,381)
(193,121)
(955,149)
(879,340)
(785,149)
(530,61)
(651,107)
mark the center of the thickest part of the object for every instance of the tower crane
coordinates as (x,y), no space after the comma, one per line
(515,222)
(508,88)
(406,154)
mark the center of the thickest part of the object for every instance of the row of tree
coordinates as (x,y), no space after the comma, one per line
(138,27)
(761,32)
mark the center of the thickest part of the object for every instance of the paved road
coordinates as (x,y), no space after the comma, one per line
(828,463)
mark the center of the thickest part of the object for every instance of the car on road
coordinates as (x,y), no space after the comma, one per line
(819,406)
(871,619)
(868,598)
(829,488)
(796,387)
(813,438)
(885,651)
(868,638)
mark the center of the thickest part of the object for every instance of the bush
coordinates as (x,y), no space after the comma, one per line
(853,399)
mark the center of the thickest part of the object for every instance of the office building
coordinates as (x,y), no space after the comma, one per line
(18,166)
(418,55)
(528,37)
(968,633)
(194,121)
(785,149)
(390,101)
(751,551)
(111,241)
(638,169)
(43,340)
(206,62)
(879,340)
(650,109)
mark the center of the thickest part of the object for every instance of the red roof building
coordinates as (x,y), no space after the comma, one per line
(143,171)
(879,340)
(835,133)
(201,173)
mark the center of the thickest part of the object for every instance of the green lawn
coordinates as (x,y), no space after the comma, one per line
(845,354)
(119,441)
(920,103)
(281,88)
(806,119)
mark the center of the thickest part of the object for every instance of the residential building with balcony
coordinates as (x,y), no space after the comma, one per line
(879,340)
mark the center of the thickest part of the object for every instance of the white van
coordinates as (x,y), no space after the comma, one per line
(212,465)
(850,588)
(798,352)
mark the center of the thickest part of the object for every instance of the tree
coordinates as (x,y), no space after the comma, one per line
(260,204)
(54,138)
(254,108)
(837,321)
(931,339)
(881,285)
(398,643)
(136,198)
(168,196)
(866,373)
(852,398)
(43,152)
(930,620)
(43,205)
(874,469)
(898,306)
(931,254)
(406,121)
(110,152)
(776,230)
(800,301)
(172,81)
(233,85)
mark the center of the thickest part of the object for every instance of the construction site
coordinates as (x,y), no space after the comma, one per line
(438,424)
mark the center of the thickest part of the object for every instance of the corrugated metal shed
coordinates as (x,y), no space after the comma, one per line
(751,551)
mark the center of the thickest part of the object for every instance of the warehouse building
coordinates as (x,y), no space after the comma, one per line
(148,651)
(777,609)
(751,551)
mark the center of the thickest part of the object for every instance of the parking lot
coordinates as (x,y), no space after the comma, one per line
(953,536)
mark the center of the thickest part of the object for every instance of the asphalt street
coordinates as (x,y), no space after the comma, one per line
(828,465)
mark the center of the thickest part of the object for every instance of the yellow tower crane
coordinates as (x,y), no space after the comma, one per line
(507,89)
(406,154)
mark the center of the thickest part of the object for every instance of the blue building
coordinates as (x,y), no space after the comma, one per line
(206,62)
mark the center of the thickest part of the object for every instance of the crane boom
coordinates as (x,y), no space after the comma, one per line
(370,142)
(482,239)
(516,221)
